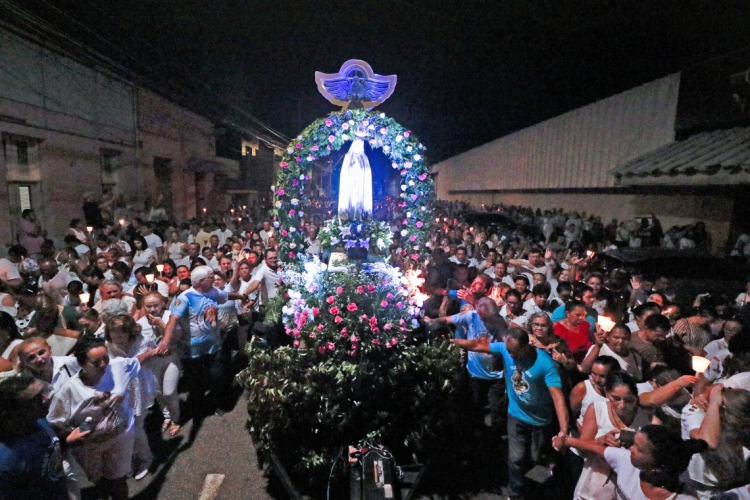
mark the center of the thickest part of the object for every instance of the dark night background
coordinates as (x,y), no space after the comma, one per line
(469,71)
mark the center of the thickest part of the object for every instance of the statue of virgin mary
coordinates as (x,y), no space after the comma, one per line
(355,183)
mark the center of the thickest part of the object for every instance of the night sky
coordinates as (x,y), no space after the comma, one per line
(469,71)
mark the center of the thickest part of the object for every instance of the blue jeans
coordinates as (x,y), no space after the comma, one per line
(525,443)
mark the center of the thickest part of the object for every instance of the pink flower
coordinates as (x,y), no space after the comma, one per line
(422,177)
(351,307)
(400,305)
(415,256)
(402,204)
(390,296)
(291,255)
(284,233)
(312,335)
(330,346)
(315,147)
(331,138)
(376,342)
(373,321)
(329,122)
(338,319)
(315,311)
(419,223)
(360,289)
(298,159)
(340,290)
(322,349)
(413,238)
(405,222)
(364,317)
(354,339)
(403,172)
(334,310)
(344,332)
(387,326)
(320,327)
(295,182)
(374,329)
(402,322)
(283,164)
(292,212)
(280,192)
(298,146)
(352,353)
(371,288)
(394,341)
(383,130)
(407,134)
(383,303)
(295,343)
(296,333)
(414,197)
(330,299)
(384,282)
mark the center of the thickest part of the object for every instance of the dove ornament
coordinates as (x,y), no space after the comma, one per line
(355,85)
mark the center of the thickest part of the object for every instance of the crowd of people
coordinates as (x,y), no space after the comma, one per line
(125,316)
(589,373)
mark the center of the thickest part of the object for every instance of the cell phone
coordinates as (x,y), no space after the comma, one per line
(626,438)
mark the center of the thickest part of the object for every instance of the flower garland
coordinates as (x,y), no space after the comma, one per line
(373,235)
(329,134)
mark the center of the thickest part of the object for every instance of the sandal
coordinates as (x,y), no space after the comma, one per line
(165,425)
(174,429)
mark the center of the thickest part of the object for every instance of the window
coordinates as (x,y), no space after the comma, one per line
(21,157)
(109,159)
(21,197)
(24,197)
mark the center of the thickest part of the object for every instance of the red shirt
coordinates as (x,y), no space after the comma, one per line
(579,340)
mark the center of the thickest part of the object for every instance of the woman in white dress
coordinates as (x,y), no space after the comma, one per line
(176,249)
(97,397)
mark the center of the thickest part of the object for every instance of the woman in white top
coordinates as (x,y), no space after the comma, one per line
(176,249)
(124,340)
(142,254)
(606,423)
(99,392)
(723,426)
(166,368)
(647,470)
(591,390)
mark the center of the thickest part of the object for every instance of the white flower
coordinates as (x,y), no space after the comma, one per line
(302,177)
(345,136)
(404,232)
(351,122)
(309,158)
(408,214)
(394,164)
(278,204)
(290,150)
(334,241)
(417,157)
(408,149)
(273,188)
(424,208)
(399,138)
(411,183)
(407,164)
(382,115)
(386,148)
(292,229)
(276,225)
(403,188)
(371,127)
(301,213)
(380,243)
(294,201)
(292,245)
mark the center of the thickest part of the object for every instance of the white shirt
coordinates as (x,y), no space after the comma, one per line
(269,281)
(223,235)
(8,270)
(153,241)
(630,364)
(519,320)
(147,330)
(628,476)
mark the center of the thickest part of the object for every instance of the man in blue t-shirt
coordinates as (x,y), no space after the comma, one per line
(535,397)
(486,379)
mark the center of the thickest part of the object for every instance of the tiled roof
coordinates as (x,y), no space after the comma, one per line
(706,153)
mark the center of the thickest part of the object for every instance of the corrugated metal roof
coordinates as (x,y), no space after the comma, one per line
(705,153)
(575,150)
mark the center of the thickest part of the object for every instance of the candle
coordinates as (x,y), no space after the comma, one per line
(160,267)
(85,296)
(122,222)
(700,364)
(231,210)
(150,278)
(204,210)
(244,207)
(605,323)
(589,253)
(89,228)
